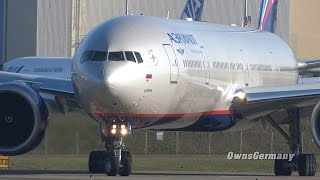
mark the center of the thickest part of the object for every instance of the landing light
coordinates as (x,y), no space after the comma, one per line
(114,126)
(113,131)
(124,131)
(239,97)
(123,126)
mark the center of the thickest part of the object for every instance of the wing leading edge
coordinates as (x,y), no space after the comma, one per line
(309,64)
(50,85)
(253,102)
(60,90)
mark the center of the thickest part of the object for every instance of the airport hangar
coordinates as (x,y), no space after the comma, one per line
(55,27)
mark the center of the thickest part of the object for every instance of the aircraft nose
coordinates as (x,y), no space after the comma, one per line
(116,86)
(122,85)
(113,75)
(112,82)
(120,75)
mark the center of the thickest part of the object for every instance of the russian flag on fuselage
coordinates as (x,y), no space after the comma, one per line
(148,76)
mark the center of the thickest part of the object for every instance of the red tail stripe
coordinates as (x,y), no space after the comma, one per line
(269,7)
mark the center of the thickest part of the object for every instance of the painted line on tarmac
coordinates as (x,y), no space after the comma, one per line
(26,172)
(166,173)
(194,173)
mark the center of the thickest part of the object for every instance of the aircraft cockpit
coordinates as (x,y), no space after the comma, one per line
(111,56)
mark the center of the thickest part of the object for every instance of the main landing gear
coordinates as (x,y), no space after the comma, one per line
(305,164)
(113,160)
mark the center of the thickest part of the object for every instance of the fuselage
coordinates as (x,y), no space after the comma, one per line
(189,72)
(173,74)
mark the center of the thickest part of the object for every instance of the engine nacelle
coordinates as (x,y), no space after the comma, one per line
(315,124)
(23,118)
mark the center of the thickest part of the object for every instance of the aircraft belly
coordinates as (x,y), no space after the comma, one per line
(184,106)
(188,107)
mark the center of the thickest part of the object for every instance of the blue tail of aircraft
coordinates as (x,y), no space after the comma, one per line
(268,15)
(193,10)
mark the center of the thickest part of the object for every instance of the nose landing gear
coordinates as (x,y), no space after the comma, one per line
(113,160)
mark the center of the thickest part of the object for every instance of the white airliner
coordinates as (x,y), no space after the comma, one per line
(139,72)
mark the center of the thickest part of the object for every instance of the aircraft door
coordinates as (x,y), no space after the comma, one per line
(174,68)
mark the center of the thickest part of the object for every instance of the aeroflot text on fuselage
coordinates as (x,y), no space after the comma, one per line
(17,69)
(45,69)
(182,38)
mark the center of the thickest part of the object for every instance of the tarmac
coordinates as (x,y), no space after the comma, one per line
(81,175)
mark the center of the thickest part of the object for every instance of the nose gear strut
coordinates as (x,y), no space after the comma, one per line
(113,160)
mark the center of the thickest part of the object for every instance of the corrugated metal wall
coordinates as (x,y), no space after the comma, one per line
(305,28)
(54,28)
(61,24)
(2,30)
(21,28)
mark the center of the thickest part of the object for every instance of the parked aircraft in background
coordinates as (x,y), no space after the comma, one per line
(139,72)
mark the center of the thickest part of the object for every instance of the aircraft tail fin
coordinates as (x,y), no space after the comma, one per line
(268,15)
(193,10)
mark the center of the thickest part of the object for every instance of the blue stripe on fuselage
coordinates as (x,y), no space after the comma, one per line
(208,123)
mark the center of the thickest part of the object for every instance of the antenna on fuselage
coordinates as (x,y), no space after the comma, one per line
(127,7)
(246,19)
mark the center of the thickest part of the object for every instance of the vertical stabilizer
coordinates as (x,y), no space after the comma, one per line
(193,10)
(268,15)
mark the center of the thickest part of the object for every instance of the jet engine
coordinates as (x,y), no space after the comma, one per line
(315,124)
(23,118)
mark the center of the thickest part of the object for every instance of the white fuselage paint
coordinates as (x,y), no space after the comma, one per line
(206,64)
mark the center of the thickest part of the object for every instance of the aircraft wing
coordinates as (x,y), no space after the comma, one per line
(309,64)
(57,92)
(50,85)
(253,102)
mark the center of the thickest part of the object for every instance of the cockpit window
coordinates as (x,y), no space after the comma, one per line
(122,56)
(116,56)
(130,56)
(99,56)
(138,56)
(86,56)
(93,56)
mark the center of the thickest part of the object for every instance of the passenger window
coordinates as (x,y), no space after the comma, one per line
(130,56)
(116,56)
(99,56)
(138,56)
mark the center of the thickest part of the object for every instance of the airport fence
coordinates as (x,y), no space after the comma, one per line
(78,142)
(76,134)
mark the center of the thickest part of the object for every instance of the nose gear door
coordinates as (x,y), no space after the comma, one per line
(174,68)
